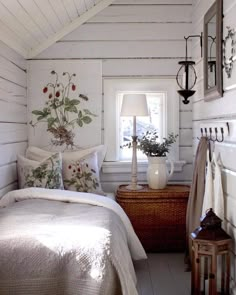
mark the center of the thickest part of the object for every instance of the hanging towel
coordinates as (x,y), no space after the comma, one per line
(218,190)
(208,199)
(194,208)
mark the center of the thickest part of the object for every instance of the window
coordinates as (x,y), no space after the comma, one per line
(156,121)
(163,100)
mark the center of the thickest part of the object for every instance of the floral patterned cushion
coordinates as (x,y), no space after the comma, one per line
(45,174)
(82,174)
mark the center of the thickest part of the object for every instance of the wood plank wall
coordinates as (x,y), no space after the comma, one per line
(219,109)
(136,38)
(13,127)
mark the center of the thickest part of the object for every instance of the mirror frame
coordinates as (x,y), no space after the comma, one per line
(216,91)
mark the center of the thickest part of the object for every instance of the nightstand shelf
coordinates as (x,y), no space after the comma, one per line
(158,216)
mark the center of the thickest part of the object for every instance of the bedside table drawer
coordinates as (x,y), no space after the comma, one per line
(158,216)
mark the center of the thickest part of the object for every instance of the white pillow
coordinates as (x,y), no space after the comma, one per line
(81,174)
(38,154)
(45,174)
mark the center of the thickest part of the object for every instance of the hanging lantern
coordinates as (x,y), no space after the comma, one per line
(210,257)
(186,77)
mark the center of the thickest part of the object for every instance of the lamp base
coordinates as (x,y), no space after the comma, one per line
(134,187)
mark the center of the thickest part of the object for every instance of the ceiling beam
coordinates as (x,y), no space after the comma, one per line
(70,27)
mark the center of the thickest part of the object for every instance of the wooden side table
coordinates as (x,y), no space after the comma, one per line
(158,216)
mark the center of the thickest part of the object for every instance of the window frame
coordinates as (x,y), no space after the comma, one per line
(112,86)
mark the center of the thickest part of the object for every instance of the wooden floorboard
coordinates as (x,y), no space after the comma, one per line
(163,274)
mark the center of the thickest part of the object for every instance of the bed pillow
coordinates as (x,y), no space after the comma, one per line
(45,174)
(38,154)
(81,174)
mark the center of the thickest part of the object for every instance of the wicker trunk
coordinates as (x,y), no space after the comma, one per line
(158,216)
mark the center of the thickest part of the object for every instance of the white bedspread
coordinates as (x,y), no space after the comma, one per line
(35,221)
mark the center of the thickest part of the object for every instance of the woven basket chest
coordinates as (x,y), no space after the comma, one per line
(158,216)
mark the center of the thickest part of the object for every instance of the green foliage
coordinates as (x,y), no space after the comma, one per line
(151,146)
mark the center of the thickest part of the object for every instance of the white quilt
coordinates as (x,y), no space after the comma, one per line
(56,241)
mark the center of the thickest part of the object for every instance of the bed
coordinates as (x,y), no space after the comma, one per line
(63,242)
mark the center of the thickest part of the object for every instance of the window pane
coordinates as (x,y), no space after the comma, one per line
(155,121)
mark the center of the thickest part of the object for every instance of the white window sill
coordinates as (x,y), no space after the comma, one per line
(125,166)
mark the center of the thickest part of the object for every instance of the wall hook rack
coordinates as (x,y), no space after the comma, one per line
(215,132)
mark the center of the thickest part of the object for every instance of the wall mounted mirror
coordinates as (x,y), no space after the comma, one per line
(212,51)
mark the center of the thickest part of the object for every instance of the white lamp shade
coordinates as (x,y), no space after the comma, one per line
(134,105)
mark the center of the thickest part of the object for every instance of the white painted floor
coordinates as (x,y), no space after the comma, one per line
(163,274)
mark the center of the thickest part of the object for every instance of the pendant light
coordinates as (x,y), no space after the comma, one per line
(186,77)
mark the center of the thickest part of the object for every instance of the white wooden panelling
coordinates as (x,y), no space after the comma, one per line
(12,73)
(144,13)
(70,8)
(131,31)
(213,109)
(140,67)
(10,112)
(186,153)
(185,137)
(50,15)
(24,19)
(8,188)
(18,99)
(90,3)
(200,10)
(61,11)
(185,119)
(10,132)
(11,39)
(32,9)
(229,182)
(185,107)
(114,49)
(80,6)
(199,94)
(13,136)
(10,55)
(12,88)
(15,24)
(230,211)
(10,152)
(8,175)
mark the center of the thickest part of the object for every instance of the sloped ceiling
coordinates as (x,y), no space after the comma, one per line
(30,26)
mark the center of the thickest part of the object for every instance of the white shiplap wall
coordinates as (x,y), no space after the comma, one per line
(136,38)
(219,109)
(13,128)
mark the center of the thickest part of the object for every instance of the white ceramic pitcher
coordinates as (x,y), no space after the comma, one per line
(157,172)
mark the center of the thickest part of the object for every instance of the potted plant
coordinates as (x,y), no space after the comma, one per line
(156,151)
(150,145)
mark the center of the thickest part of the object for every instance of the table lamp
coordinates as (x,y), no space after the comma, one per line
(134,105)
